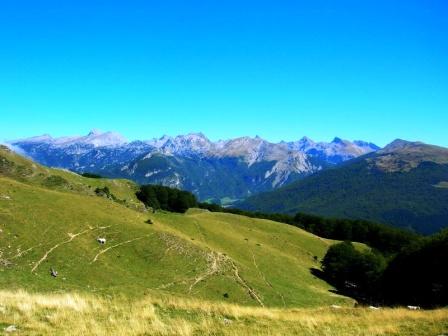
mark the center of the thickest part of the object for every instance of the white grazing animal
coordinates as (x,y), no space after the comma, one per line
(102,241)
(414,307)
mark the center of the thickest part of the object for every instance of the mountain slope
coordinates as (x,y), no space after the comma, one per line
(218,171)
(205,255)
(402,185)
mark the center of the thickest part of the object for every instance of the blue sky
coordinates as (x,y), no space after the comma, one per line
(371,70)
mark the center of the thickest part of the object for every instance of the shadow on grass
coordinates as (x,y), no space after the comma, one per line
(321,275)
(351,292)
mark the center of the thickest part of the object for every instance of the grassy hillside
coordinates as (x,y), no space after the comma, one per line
(205,255)
(403,185)
(24,170)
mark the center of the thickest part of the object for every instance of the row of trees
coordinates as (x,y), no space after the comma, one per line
(91,175)
(384,238)
(388,240)
(417,275)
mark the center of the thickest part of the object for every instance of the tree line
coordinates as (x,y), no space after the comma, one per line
(388,240)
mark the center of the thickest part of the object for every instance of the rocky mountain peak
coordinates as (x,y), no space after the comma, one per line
(339,141)
(100,139)
(94,132)
(398,144)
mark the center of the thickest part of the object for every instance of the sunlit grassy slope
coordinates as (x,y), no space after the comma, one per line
(24,170)
(211,256)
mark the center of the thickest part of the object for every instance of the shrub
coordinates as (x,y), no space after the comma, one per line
(55,181)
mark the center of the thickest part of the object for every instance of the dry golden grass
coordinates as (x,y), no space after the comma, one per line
(86,314)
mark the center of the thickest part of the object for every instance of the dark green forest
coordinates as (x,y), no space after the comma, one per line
(358,190)
(417,275)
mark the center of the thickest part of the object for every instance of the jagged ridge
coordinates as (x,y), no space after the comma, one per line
(231,169)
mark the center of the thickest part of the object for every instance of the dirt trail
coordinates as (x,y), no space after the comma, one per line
(116,245)
(216,262)
(72,236)
(214,265)
(266,281)
(244,283)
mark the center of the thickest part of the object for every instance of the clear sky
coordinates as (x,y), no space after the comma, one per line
(374,69)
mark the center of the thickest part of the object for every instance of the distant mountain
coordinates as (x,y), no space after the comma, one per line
(334,152)
(223,170)
(405,185)
(95,138)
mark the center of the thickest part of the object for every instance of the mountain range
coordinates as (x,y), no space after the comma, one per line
(220,171)
(404,184)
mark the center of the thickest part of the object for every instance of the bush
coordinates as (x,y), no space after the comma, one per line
(55,181)
(103,192)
